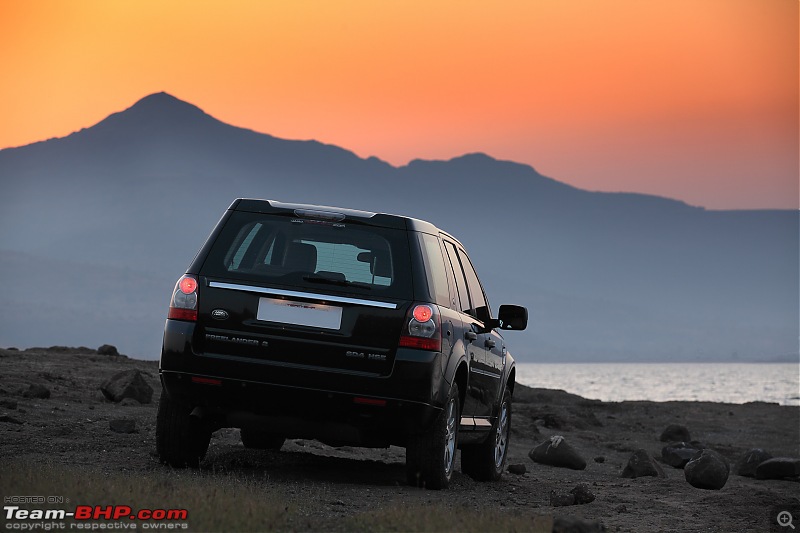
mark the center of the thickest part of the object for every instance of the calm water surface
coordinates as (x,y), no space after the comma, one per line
(663,382)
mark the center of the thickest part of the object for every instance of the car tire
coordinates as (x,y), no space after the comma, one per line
(431,457)
(486,461)
(180,440)
(261,440)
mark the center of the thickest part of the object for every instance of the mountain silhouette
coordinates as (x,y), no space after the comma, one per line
(95,228)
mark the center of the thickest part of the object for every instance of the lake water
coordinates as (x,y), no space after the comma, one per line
(663,382)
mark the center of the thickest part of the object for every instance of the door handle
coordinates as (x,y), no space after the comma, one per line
(470,336)
(489,343)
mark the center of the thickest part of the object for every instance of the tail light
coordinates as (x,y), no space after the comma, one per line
(183,305)
(423,330)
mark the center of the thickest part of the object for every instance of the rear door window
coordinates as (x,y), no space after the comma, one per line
(435,266)
(480,307)
(461,282)
(286,250)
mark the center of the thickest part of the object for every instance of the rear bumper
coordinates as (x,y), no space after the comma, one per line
(304,401)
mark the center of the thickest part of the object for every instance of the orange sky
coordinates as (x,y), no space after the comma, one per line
(691,99)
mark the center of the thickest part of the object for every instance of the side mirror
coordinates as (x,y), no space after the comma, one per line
(513,317)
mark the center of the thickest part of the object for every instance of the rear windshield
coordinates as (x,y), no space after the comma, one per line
(314,255)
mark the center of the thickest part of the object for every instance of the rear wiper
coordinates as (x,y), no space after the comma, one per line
(339,282)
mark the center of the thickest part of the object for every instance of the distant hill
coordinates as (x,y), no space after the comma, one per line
(96,227)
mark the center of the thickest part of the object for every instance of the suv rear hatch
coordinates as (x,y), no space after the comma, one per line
(305,288)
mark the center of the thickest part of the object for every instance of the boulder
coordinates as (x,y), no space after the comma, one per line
(129,402)
(107,349)
(5,419)
(556,452)
(551,421)
(642,464)
(707,470)
(127,384)
(678,454)
(675,433)
(778,468)
(122,425)
(750,460)
(517,469)
(582,494)
(36,391)
(558,499)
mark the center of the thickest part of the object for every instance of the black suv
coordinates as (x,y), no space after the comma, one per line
(353,328)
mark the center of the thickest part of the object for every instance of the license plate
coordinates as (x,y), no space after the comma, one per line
(299,313)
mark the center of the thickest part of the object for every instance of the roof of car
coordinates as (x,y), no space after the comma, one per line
(327,212)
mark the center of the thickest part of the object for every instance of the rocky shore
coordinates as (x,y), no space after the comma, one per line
(627,466)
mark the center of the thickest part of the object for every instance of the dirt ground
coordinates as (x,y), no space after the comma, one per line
(71,427)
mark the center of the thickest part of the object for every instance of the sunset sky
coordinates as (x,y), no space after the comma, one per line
(692,99)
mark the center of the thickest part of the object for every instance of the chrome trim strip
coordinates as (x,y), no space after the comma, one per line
(484,373)
(300,294)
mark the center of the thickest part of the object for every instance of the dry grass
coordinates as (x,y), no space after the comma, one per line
(222,502)
(441,518)
(215,502)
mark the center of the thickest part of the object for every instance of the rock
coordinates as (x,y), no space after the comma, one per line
(582,494)
(561,500)
(551,421)
(107,349)
(10,420)
(678,454)
(556,452)
(36,391)
(750,460)
(599,459)
(572,524)
(128,402)
(59,349)
(517,469)
(778,468)
(8,404)
(642,464)
(675,433)
(707,470)
(123,425)
(127,384)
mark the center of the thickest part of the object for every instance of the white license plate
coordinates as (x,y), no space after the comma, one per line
(299,313)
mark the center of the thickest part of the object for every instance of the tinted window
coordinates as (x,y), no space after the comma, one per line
(461,282)
(480,308)
(290,251)
(434,263)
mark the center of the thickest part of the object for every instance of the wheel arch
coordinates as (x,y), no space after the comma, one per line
(511,380)
(460,378)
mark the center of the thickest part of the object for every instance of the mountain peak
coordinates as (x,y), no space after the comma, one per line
(160,111)
(159,94)
(163,102)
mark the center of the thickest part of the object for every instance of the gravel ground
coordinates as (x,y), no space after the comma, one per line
(71,427)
